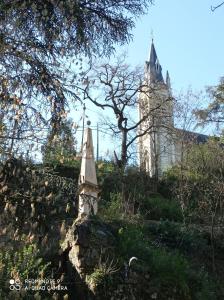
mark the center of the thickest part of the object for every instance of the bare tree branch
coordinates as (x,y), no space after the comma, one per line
(119,88)
(213,8)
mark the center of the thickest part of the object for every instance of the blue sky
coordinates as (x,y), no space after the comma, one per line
(189,42)
(188,38)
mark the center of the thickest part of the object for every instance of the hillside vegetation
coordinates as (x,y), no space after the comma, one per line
(173,227)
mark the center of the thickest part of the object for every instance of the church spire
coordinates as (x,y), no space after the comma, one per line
(153,66)
(152,54)
(168,80)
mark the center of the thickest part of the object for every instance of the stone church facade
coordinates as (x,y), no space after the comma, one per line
(162,144)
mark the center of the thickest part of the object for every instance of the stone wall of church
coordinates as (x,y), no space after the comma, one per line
(156,150)
(167,152)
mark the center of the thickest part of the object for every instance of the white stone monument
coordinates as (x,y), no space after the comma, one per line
(88,187)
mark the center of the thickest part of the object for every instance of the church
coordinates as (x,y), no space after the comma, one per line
(160,144)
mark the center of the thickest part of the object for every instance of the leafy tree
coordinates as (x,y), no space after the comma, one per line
(60,147)
(38,37)
(214,113)
(40,40)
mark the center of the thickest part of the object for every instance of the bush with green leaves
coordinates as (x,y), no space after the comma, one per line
(21,264)
(111,210)
(103,271)
(155,207)
(132,241)
(109,179)
(172,275)
(172,236)
(132,187)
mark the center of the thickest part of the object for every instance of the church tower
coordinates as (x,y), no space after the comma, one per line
(156,148)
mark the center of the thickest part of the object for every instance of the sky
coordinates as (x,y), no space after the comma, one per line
(189,42)
(188,38)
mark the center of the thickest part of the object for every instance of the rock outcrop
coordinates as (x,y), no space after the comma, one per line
(90,243)
(91,247)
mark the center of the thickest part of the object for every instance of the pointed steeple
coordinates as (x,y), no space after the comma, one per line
(168,80)
(153,66)
(152,54)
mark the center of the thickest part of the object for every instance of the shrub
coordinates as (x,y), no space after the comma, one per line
(156,208)
(198,182)
(171,235)
(111,210)
(20,265)
(171,274)
(132,242)
(71,170)
(103,272)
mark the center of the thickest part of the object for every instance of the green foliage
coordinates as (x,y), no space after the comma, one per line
(67,169)
(60,146)
(138,189)
(134,186)
(156,208)
(104,168)
(133,242)
(102,272)
(138,184)
(200,163)
(109,179)
(204,161)
(111,210)
(96,278)
(170,270)
(174,236)
(215,111)
(19,265)
(171,274)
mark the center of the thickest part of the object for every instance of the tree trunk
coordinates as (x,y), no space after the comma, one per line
(123,165)
(124,149)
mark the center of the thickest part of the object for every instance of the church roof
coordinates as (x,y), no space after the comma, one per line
(152,55)
(190,136)
(153,66)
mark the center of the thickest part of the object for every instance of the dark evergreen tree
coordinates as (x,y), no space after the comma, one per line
(39,39)
(60,147)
